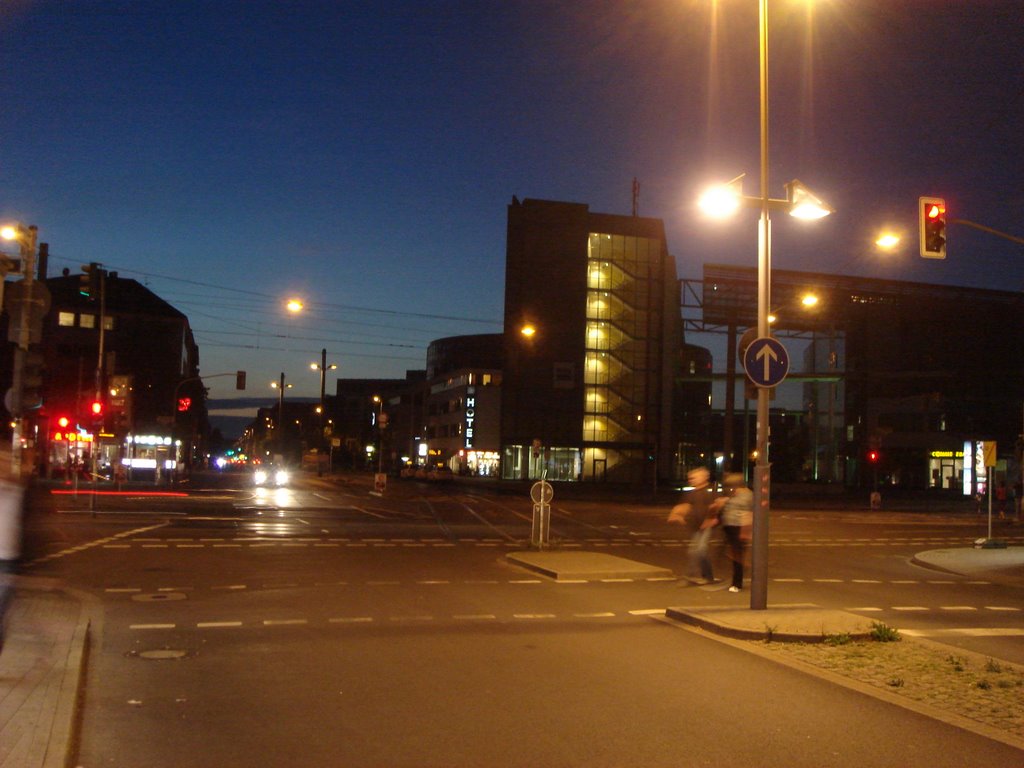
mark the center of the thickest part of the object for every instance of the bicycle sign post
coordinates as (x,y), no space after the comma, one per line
(541,492)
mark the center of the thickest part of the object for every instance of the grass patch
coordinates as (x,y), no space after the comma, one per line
(883,633)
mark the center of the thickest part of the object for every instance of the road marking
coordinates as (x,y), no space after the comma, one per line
(284,622)
(229,586)
(1000,608)
(601,615)
(151,626)
(122,589)
(616,581)
(865,581)
(788,581)
(351,620)
(525,581)
(966,632)
(533,616)
(474,616)
(864,609)
(434,581)
(957,608)
(909,608)
(217,624)
(828,581)
(648,612)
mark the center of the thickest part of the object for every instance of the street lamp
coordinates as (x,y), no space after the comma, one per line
(380,431)
(280,386)
(323,367)
(801,203)
(26,238)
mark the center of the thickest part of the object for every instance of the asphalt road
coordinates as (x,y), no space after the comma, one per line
(327,626)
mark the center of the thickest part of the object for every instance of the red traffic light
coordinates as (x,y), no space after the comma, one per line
(96,408)
(873,457)
(184,403)
(63,422)
(932,227)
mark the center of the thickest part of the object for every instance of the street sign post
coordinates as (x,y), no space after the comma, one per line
(541,493)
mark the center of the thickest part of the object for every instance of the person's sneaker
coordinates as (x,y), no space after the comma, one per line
(734,589)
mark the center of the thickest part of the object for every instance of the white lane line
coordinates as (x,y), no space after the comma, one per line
(434,581)
(865,581)
(1001,608)
(599,615)
(572,581)
(217,624)
(525,581)
(351,620)
(617,581)
(230,586)
(788,581)
(909,608)
(966,632)
(284,622)
(533,616)
(648,612)
(827,581)
(474,616)
(863,609)
(151,626)
(410,618)
(957,608)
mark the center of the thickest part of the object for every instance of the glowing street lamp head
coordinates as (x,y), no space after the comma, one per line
(809,300)
(528,331)
(720,201)
(887,241)
(294,305)
(8,232)
(803,204)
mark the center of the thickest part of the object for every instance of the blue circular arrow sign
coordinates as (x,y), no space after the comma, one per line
(766,362)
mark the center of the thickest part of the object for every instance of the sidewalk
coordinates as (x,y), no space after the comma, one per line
(42,666)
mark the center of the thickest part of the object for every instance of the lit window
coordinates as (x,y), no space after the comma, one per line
(87,321)
(108,323)
(66,319)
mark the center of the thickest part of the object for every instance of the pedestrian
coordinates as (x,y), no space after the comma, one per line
(11,493)
(698,513)
(737,522)
(1001,499)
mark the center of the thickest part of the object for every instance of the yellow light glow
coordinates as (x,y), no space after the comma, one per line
(294,305)
(720,202)
(9,233)
(528,331)
(809,300)
(887,241)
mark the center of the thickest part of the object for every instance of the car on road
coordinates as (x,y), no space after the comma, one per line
(270,476)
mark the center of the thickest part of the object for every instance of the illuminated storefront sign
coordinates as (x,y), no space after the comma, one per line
(470,417)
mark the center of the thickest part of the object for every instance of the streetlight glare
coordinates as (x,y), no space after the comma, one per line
(528,331)
(804,204)
(887,241)
(720,202)
(8,232)
(294,305)
(809,300)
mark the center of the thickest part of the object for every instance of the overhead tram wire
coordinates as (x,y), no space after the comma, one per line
(272,298)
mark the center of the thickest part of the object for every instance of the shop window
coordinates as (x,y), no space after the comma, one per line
(87,321)
(66,319)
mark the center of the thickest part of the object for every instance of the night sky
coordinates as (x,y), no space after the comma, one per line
(230,155)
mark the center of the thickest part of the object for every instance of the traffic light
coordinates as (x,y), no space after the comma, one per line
(31,378)
(932,227)
(184,403)
(89,281)
(96,409)
(873,456)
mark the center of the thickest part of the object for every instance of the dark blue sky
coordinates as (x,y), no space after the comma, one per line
(362,155)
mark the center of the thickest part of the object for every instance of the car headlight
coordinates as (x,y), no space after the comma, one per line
(281,478)
(259,477)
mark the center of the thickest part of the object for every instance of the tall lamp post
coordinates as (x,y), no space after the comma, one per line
(26,238)
(379,401)
(280,386)
(323,367)
(800,203)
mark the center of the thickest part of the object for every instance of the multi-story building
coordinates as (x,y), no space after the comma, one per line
(153,417)
(588,395)
(464,403)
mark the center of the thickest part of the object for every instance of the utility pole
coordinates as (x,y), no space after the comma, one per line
(27,242)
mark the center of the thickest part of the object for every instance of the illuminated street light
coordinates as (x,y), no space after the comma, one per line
(887,241)
(801,203)
(294,306)
(528,331)
(809,300)
(26,238)
(323,367)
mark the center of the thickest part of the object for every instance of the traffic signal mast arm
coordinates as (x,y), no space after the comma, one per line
(990,230)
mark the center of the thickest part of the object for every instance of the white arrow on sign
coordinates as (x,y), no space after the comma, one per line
(767,354)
